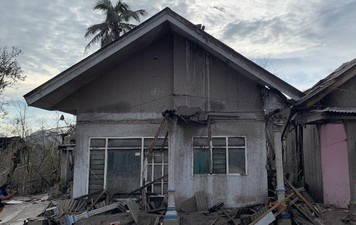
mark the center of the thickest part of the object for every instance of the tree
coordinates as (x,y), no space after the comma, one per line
(117,22)
(10,71)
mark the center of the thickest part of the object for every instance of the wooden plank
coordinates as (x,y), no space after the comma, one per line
(214,221)
(97,199)
(285,207)
(303,213)
(134,210)
(302,197)
(230,219)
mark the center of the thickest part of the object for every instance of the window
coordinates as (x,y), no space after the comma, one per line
(120,164)
(156,166)
(223,155)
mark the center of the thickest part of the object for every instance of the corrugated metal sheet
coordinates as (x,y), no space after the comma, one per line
(330,79)
(337,110)
(188,114)
(327,85)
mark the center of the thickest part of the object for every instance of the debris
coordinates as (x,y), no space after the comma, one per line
(215,208)
(97,199)
(189,205)
(266,219)
(212,223)
(134,209)
(302,198)
(201,202)
(230,218)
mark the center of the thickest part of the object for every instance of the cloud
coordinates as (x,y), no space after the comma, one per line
(303,41)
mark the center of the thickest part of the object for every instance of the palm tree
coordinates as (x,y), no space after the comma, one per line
(116,22)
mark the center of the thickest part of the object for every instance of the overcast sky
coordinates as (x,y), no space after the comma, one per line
(299,41)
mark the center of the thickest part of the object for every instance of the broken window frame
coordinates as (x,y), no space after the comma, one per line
(145,142)
(226,147)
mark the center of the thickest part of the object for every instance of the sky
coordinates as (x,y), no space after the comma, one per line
(301,41)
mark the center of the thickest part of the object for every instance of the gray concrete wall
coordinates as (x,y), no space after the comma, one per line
(233,190)
(141,82)
(127,125)
(205,81)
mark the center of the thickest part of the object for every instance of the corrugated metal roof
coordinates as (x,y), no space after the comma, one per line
(337,110)
(188,114)
(327,85)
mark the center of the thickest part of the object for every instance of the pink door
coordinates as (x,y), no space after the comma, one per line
(335,166)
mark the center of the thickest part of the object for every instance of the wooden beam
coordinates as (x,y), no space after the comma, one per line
(302,197)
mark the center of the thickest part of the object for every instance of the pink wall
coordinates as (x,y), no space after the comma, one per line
(334,163)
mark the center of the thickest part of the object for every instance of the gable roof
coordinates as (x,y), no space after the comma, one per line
(58,88)
(327,85)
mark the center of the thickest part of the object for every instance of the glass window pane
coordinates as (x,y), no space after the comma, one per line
(237,161)
(201,161)
(165,172)
(97,142)
(158,144)
(127,142)
(157,156)
(123,170)
(157,172)
(157,188)
(149,157)
(236,141)
(165,188)
(165,156)
(200,142)
(149,173)
(221,141)
(219,160)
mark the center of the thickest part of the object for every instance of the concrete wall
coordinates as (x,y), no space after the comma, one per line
(335,165)
(205,81)
(125,125)
(143,82)
(233,190)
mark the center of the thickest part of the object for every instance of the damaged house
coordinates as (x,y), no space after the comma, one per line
(321,141)
(169,99)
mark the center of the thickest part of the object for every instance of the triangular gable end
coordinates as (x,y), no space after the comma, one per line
(327,85)
(53,91)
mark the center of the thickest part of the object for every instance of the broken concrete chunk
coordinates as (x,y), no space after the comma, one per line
(201,201)
(189,205)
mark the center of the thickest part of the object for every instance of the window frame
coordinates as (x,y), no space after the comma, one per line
(143,159)
(227,148)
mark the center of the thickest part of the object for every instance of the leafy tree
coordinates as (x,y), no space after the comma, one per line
(10,71)
(117,22)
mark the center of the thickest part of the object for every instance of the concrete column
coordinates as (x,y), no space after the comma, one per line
(175,134)
(277,131)
(350,129)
